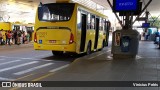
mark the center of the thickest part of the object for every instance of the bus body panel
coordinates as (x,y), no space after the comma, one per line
(66,48)
(47,37)
(100,39)
(5,26)
(90,37)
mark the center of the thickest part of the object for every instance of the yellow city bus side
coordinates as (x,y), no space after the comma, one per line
(90,36)
(100,40)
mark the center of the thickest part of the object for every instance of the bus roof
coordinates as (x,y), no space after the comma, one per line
(92,10)
(88,9)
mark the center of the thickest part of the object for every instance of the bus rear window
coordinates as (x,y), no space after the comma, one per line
(55,12)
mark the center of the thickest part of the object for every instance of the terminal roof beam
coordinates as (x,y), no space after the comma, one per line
(115,13)
(142,11)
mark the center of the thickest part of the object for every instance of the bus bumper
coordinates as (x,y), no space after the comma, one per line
(67,48)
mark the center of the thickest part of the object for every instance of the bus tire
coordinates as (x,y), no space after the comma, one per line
(88,48)
(57,53)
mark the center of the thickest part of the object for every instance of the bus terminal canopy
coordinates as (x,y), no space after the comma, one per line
(23,10)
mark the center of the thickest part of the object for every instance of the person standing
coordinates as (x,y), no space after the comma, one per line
(28,37)
(15,36)
(9,35)
(156,37)
(19,34)
(149,32)
(6,37)
(24,36)
(1,36)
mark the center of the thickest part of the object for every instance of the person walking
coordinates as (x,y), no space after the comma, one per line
(19,34)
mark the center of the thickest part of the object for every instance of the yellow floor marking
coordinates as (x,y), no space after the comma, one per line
(42,77)
(23,77)
(34,80)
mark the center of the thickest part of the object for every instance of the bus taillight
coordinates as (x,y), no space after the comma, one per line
(71,39)
(35,37)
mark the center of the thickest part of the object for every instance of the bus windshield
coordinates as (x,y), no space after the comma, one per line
(55,12)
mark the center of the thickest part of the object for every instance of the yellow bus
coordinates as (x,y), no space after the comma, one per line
(5,26)
(10,26)
(69,28)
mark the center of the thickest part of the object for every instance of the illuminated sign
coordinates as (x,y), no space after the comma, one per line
(145,25)
(125,5)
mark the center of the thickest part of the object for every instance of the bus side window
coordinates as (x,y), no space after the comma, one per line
(79,19)
(89,21)
(93,22)
(105,26)
(40,13)
(100,24)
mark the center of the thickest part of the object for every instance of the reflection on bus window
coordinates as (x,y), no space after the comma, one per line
(79,19)
(89,21)
(43,13)
(93,22)
(55,12)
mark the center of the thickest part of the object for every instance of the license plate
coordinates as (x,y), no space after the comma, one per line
(52,41)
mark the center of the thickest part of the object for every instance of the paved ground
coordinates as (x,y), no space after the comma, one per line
(22,62)
(99,66)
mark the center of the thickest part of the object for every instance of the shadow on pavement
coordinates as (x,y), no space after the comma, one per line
(69,58)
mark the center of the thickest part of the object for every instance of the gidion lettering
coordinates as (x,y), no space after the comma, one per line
(126,4)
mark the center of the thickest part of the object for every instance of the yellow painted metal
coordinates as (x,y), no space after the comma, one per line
(61,38)
(5,26)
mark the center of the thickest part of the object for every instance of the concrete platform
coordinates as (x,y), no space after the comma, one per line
(6,47)
(100,66)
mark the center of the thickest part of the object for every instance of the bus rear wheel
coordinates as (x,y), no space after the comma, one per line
(57,53)
(89,48)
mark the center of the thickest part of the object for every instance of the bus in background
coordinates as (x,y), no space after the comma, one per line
(30,29)
(69,28)
(5,26)
(10,26)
